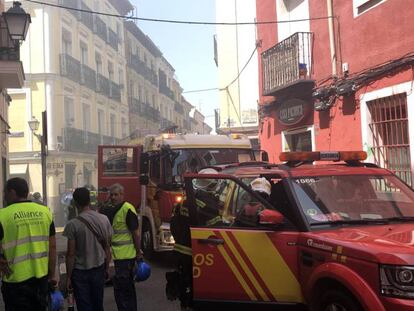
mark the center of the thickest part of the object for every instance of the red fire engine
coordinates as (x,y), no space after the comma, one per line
(168,157)
(334,236)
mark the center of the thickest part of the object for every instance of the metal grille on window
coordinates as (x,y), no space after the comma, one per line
(389,128)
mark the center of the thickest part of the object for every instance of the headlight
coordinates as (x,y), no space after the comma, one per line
(397,281)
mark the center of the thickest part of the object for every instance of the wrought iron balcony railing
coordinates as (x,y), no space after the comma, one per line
(88,77)
(70,67)
(166,91)
(99,28)
(85,17)
(178,107)
(102,84)
(114,91)
(77,140)
(112,39)
(71,4)
(287,63)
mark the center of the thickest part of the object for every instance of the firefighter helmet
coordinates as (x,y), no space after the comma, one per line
(209,185)
(261,185)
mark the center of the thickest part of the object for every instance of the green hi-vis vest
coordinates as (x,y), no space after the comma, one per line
(26,227)
(122,242)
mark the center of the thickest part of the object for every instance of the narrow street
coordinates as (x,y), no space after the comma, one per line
(150,293)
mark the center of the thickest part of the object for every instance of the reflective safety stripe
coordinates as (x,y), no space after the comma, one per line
(213,221)
(28,257)
(120,243)
(29,239)
(121,231)
(200,203)
(183,249)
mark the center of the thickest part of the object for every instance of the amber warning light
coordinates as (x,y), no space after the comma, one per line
(323,156)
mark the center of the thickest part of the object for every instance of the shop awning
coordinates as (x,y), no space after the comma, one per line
(17,170)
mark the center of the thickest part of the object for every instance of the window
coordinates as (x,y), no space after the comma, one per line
(69,111)
(119,161)
(101,122)
(123,128)
(83,53)
(66,42)
(298,140)
(121,77)
(362,6)
(98,63)
(86,117)
(110,71)
(112,125)
(390,138)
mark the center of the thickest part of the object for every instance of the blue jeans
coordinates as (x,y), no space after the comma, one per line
(88,288)
(124,285)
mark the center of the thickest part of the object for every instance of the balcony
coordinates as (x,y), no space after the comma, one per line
(112,39)
(142,69)
(99,28)
(287,64)
(71,4)
(88,77)
(166,91)
(134,105)
(178,108)
(114,91)
(70,67)
(76,140)
(165,123)
(85,17)
(102,84)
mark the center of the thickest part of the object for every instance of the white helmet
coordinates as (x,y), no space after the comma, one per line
(206,184)
(261,184)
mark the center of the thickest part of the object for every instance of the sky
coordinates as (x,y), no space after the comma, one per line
(188,48)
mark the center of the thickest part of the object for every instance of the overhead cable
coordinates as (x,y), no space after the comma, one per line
(158,20)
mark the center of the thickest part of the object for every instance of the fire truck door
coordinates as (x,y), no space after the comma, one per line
(234,258)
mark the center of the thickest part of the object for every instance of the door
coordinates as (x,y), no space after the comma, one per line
(236,258)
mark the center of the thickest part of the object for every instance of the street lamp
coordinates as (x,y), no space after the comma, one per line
(17,21)
(34,126)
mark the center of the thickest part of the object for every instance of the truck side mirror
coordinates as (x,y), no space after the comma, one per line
(144,180)
(269,217)
(143,167)
(265,156)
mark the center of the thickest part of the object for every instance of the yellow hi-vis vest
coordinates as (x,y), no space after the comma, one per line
(26,227)
(122,242)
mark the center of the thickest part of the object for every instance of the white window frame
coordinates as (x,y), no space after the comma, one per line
(357,3)
(298,130)
(406,87)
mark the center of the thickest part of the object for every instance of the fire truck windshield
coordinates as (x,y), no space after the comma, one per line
(353,199)
(181,161)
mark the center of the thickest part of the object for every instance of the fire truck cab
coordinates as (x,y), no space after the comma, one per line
(167,157)
(333,236)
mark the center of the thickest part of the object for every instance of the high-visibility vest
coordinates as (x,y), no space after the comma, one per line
(122,242)
(26,227)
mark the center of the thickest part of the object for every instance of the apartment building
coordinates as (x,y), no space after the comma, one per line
(237,65)
(76,72)
(338,77)
(11,76)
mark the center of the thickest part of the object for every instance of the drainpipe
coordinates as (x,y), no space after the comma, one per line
(329,4)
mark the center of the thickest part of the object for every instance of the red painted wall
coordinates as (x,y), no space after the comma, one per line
(381,34)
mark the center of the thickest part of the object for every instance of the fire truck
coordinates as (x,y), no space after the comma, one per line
(333,236)
(164,159)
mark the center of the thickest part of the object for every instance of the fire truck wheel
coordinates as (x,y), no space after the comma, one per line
(147,244)
(337,300)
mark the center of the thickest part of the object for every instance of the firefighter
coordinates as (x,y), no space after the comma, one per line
(179,282)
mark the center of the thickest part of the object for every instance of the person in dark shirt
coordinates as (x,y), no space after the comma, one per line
(125,246)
